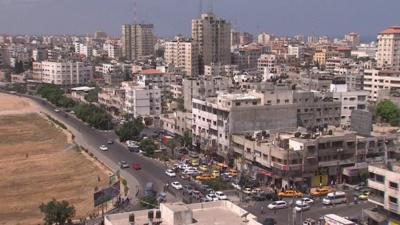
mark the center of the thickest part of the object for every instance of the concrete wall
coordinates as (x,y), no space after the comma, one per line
(262,118)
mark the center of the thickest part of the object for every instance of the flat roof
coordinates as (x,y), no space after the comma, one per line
(84,88)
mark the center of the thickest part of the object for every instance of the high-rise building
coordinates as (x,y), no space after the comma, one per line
(183,53)
(213,36)
(388,55)
(137,41)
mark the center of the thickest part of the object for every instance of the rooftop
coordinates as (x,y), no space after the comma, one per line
(391,30)
(151,72)
(221,213)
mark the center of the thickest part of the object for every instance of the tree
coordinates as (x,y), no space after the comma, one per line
(19,67)
(91,96)
(148,146)
(56,212)
(388,112)
(187,138)
(130,130)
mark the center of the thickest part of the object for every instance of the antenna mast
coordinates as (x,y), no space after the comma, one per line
(134,11)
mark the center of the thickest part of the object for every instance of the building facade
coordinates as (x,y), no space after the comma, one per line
(183,53)
(137,41)
(63,73)
(388,54)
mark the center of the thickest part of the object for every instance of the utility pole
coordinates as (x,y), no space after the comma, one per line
(134,11)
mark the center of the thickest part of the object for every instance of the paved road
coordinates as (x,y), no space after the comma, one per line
(152,170)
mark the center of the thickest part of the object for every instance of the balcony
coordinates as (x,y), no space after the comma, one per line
(375,199)
(394,207)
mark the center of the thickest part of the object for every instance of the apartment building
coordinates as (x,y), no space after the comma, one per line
(137,41)
(267,63)
(265,38)
(388,54)
(217,69)
(376,80)
(183,53)
(384,181)
(350,100)
(156,78)
(327,156)
(316,80)
(83,49)
(246,57)
(113,99)
(352,39)
(215,119)
(177,122)
(141,101)
(63,73)
(213,36)
(321,56)
(113,49)
(296,51)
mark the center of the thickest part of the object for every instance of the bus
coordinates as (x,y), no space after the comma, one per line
(333,219)
(335,198)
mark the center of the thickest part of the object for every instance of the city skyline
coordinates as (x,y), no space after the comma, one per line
(331,18)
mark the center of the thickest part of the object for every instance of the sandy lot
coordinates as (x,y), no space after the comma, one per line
(38,164)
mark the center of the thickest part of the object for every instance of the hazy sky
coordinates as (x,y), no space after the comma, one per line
(170,17)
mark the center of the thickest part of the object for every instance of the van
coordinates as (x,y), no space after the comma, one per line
(335,198)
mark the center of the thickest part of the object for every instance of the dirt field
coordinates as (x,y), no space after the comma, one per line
(38,164)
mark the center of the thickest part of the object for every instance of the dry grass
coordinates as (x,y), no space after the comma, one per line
(36,167)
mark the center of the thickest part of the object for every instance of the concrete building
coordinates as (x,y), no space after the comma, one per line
(213,36)
(384,181)
(141,101)
(350,100)
(183,53)
(265,38)
(388,55)
(83,49)
(324,157)
(316,80)
(246,57)
(137,41)
(297,51)
(376,80)
(63,73)
(267,63)
(113,99)
(113,49)
(216,70)
(205,213)
(215,119)
(352,39)
(177,122)
(321,56)
(203,87)
(155,78)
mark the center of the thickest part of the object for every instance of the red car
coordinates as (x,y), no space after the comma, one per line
(136,166)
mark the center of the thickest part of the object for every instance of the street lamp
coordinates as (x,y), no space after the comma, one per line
(339,151)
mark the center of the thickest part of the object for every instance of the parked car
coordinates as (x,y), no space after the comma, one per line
(212,197)
(278,205)
(103,148)
(123,164)
(204,177)
(176,185)
(110,141)
(197,194)
(308,201)
(170,173)
(320,191)
(203,168)
(136,166)
(221,195)
(290,193)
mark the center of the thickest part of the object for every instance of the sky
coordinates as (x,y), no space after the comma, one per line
(170,17)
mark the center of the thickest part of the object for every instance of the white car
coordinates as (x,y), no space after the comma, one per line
(170,173)
(302,207)
(103,148)
(278,205)
(220,195)
(123,164)
(307,201)
(56,110)
(176,185)
(212,197)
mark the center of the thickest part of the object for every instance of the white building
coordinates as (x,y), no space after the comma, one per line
(265,38)
(384,181)
(205,213)
(113,50)
(141,101)
(64,73)
(183,53)
(216,69)
(375,80)
(388,55)
(267,63)
(350,100)
(155,78)
(297,51)
(83,49)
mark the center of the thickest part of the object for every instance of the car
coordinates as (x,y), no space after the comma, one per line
(308,201)
(364,195)
(197,194)
(56,110)
(195,162)
(278,205)
(221,195)
(184,177)
(110,141)
(123,164)
(309,221)
(170,173)
(290,194)
(187,189)
(176,185)
(236,186)
(103,148)
(269,221)
(203,168)
(302,206)
(136,166)
(320,191)
(204,177)
(247,190)
(212,197)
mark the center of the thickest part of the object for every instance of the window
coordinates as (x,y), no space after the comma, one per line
(393,185)
(392,200)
